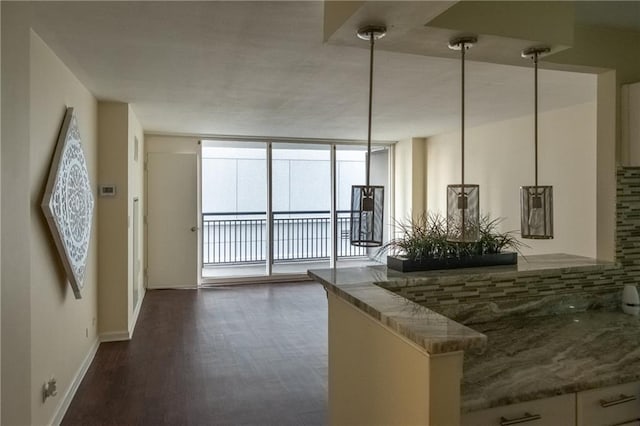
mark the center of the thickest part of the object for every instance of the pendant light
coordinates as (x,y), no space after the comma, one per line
(367,201)
(536,202)
(463,200)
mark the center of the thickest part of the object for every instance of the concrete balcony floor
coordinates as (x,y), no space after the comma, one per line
(279,269)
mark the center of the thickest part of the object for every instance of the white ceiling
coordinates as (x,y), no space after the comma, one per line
(262,69)
(621,15)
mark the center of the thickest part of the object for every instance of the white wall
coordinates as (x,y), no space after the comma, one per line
(420,389)
(607,136)
(176,144)
(45,331)
(409,179)
(402,178)
(113,135)
(0,217)
(0,214)
(118,128)
(16,271)
(136,188)
(500,158)
(63,329)
(630,118)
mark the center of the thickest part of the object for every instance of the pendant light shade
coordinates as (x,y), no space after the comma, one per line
(463,212)
(536,202)
(463,199)
(367,201)
(366,215)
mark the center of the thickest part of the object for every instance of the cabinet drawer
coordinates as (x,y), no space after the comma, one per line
(609,406)
(555,411)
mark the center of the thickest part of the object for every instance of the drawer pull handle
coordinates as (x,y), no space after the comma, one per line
(623,398)
(526,418)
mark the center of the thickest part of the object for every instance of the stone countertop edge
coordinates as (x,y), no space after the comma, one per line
(433,332)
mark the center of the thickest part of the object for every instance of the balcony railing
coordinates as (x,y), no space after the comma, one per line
(240,237)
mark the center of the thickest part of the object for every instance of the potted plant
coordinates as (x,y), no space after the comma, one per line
(423,245)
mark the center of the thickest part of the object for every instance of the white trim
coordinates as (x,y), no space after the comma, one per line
(199,222)
(136,313)
(175,287)
(391,178)
(333,215)
(115,336)
(236,138)
(269,219)
(58,415)
(261,279)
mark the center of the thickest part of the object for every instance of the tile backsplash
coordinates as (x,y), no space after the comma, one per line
(437,291)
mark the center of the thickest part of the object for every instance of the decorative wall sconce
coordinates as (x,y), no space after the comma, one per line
(463,200)
(367,201)
(536,202)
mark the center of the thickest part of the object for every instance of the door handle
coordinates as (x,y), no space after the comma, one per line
(194,228)
(623,398)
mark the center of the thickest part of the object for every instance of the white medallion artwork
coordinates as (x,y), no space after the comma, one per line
(68,202)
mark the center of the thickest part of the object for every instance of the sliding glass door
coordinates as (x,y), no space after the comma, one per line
(301,188)
(272,208)
(234,196)
(351,170)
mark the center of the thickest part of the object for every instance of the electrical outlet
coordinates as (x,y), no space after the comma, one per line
(49,389)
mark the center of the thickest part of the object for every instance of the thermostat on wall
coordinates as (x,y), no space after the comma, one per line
(107,190)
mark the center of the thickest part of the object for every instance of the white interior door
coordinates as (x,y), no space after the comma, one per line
(172,218)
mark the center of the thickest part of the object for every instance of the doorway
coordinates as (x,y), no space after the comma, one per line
(172,220)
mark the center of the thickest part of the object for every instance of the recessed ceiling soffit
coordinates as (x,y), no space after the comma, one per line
(505,28)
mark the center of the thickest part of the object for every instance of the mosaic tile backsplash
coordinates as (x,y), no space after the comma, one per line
(500,289)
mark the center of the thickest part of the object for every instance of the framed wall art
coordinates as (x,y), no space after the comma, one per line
(68,202)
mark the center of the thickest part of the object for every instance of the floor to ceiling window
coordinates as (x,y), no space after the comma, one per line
(267,208)
(301,188)
(234,194)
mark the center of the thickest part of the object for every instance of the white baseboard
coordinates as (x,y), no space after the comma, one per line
(173,287)
(58,415)
(115,336)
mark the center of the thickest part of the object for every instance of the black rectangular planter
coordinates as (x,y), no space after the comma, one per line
(403,264)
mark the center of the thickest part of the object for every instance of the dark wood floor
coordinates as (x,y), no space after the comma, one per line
(219,356)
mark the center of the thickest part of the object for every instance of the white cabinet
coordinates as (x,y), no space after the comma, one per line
(613,405)
(555,411)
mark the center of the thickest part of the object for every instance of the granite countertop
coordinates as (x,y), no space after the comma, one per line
(428,329)
(434,332)
(514,351)
(537,357)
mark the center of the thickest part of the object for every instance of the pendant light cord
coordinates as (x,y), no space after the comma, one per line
(372,42)
(535,113)
(463,49)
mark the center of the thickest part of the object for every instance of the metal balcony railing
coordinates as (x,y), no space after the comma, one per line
(240,237)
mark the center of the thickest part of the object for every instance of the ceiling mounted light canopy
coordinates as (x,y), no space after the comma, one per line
(367,201)
(536,202)
(463,200)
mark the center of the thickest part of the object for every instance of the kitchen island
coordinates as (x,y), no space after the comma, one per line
(421,348)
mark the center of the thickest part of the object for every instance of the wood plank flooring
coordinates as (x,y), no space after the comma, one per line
(221,356)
